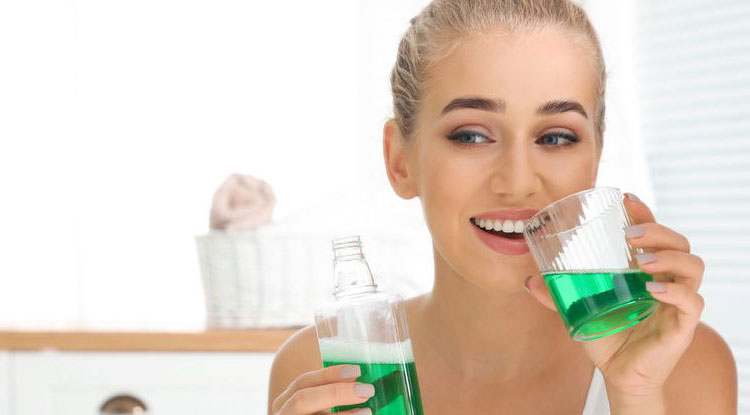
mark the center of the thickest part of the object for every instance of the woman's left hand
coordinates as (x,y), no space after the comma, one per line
(637,362)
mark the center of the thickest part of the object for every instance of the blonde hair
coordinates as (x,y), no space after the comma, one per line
(440,27)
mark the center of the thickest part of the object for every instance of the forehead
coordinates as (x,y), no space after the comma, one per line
(523,69)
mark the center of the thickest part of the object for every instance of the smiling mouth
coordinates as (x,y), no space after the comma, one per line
(509,229)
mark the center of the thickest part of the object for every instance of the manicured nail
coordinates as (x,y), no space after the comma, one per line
(646,258)
(633,197)
(656,287)
(362,411)
(350,371)
(526,284)
(364,390)
(635,231)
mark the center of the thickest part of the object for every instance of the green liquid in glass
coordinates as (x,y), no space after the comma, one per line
(396,388)
(595,304)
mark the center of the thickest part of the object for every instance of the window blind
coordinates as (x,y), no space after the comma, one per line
(693,69)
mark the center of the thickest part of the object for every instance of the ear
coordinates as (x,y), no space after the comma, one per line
(396,153)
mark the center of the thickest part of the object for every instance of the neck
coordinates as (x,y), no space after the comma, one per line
(483,332)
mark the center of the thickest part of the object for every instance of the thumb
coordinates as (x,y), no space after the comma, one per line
(538,289)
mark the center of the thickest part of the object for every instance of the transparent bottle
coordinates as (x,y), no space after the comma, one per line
(366,327)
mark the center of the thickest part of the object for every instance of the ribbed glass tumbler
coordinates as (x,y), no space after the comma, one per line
(579,244)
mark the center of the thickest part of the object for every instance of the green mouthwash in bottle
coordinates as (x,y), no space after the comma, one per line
(368,328)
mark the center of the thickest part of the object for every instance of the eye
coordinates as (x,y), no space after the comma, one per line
(468,137)
(558,139)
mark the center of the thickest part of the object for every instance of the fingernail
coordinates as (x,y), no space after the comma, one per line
(364,390)
(633,197)
(526,284)
(351,371)
(635,231)
(363,411)
(656,287)
(646,258)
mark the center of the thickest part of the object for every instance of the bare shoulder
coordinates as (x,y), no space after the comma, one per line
(299,354)
(705,379)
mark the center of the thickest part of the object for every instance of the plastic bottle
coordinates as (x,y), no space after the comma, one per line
(366,327)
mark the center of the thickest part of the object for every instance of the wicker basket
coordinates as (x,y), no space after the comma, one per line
(254,279)
(268,278)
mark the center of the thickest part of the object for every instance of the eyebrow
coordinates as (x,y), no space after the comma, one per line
(498,105)
(560,106)
(478,103)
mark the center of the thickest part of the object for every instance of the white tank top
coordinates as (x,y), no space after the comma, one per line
(597,402)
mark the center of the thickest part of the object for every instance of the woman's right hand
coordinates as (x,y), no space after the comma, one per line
(318,391)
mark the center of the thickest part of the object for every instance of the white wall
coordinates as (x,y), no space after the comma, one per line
(119,119)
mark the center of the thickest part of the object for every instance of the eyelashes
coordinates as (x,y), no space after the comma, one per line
(553,139)
(468,137)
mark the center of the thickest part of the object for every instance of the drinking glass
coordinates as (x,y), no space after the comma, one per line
(579,244)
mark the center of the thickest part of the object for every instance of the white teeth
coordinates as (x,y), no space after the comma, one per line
(497,226)
(507,226)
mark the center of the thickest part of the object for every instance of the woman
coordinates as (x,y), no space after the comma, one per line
(498,111)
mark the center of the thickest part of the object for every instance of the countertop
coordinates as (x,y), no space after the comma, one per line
(188,341)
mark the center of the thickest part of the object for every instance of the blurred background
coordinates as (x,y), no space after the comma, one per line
(118,121)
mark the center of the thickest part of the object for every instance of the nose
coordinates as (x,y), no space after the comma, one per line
(515,176)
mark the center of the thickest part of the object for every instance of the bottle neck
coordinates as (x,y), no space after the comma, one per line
(353,275)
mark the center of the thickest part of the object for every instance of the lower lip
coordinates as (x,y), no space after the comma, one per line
(502,245)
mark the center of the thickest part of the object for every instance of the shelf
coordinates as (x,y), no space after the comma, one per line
(199,341)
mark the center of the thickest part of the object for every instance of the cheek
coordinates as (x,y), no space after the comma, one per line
(445,188)
(572,172)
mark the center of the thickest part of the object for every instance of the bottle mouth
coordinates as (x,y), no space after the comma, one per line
(347,248)
(353,275)
(345,241)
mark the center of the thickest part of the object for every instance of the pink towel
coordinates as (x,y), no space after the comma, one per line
(242,202)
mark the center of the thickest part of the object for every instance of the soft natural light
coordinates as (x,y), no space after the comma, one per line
(121,119)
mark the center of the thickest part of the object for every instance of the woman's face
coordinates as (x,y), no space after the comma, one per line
(506,127)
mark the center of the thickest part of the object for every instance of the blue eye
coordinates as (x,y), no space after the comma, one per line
(468,137)
(558,139)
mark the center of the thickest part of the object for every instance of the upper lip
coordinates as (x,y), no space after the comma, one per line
(511,214)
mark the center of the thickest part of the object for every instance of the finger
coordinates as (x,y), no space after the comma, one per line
(656,236)
(688,302)
(538,289)
(637,210)
(687,268)
(331,374)
(318,398)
